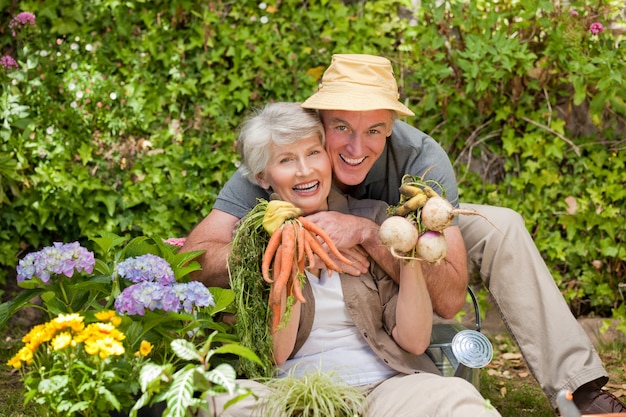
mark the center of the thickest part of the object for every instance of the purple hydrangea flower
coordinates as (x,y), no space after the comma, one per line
(22,19)
(193,294)
(60,259)
(8,62)
(135,299)
(596,28)
(146,268)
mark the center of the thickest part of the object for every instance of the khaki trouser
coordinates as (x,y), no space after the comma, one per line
(416,395)
(554,345)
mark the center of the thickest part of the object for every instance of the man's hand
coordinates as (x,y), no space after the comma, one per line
(355,237)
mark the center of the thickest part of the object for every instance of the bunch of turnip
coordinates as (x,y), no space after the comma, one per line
(414,228)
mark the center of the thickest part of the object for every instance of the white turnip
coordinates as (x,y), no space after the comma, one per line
(398,234)
(431,247)
(438,213)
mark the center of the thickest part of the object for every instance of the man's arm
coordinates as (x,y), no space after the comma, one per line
(214,235)
(447,282)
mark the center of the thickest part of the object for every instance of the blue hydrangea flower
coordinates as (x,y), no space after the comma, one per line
(60,259)
(193,294)
(146,268)
(134,300)
(146,295)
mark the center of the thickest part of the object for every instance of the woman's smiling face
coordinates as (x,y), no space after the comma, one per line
(299,173)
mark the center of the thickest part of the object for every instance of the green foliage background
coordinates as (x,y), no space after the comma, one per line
(122,115)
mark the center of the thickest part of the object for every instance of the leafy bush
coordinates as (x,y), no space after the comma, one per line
(121,116)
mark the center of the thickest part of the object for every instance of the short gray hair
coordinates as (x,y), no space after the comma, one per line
(280,123)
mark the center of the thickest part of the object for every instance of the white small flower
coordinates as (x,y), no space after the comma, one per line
(79,94)
(74,46)
(264,19)
(74,65)
(262,5)
(71,86)
(113,96)
(50,130)
(77,38)
(88,47)
(43,53)
(14,81)
(59,54)
(73,104)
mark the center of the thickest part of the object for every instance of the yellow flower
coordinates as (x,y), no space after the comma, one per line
(144,349)
(96,331)
(109,315)
(39,334)
(104,347)
(15,362)
(25,354)
(61,341)
(72,321)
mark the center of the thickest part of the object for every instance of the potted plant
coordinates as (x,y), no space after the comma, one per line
(114,317)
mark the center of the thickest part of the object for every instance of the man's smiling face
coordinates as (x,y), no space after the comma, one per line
(354,141)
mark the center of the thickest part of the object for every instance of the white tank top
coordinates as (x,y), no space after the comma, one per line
(335,343)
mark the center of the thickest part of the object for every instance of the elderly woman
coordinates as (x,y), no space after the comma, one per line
(369,330)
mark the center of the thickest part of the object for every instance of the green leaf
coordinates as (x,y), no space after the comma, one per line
(9,308)
(223,298)
(224,376)
(186,350)
(238,350)
(107,241)
(151,374)
(180,393)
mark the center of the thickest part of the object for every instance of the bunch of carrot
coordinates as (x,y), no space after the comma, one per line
(286,255)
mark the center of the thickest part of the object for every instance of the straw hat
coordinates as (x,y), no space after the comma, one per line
(358,82)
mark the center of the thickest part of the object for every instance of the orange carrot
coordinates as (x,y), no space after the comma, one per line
(287,255)
(276,316)
(270,251)
(317,248)
(297,289)
(300,242)
(309,225)
(307,247)
(276,266)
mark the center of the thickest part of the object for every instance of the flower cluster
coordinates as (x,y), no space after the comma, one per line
(176,241)
(85,364)
(156,288)
(60,259)
(21,20)
(8,62)
(596,28)
(101,338)
(147,268)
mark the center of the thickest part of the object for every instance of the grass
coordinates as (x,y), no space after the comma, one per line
(510,387)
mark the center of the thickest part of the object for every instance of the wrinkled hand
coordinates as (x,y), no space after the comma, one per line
(344,231)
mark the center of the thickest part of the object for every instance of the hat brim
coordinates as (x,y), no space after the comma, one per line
(353,101)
